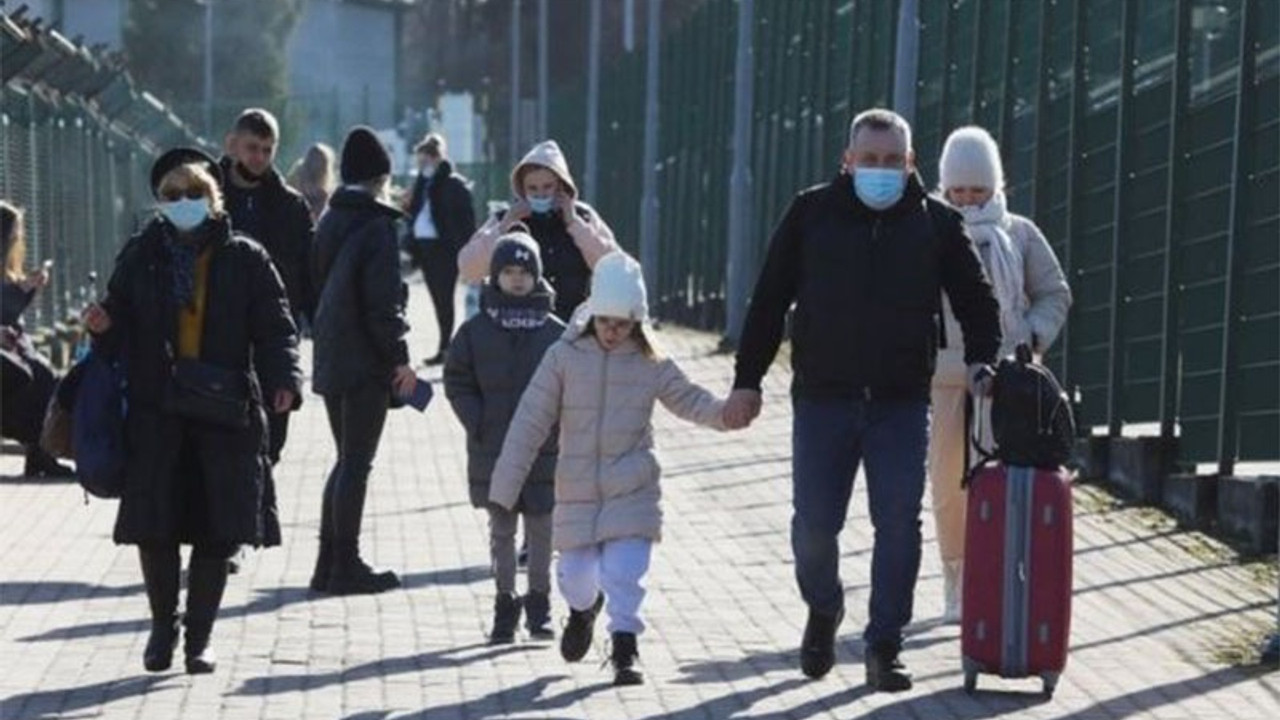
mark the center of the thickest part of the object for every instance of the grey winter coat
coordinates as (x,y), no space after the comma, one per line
(1048,295)
(487,370)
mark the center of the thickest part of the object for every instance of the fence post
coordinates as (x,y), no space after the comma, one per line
(906,61)
(1240,157)
(593,103)
(740,181)
(513,138)
(1179,93)
(1115,351)
(649,192)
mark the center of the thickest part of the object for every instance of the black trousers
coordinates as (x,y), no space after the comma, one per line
(356,418)
(439,263)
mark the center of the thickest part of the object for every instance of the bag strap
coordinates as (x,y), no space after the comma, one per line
(973,421)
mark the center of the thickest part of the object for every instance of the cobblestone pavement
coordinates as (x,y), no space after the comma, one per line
(1155,608)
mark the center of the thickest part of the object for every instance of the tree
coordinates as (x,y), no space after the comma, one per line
(164,47)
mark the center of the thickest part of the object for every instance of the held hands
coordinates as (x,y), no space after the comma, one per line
(403,381)
(741,408)
(96,319)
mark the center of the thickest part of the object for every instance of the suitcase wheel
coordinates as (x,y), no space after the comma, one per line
(970,682)
(1049,684)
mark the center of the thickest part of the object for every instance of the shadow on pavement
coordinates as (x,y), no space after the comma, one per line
(452,576)
(61,702)
(36,593)
(526,698)
(434,660)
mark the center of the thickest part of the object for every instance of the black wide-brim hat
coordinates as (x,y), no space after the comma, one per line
(183,156)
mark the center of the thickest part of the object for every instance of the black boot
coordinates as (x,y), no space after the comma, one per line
(885,672)
(324,565)
(818,648)
(352,576)
(160,573)
(576,640)
(41,464)
(206,579)
(506,616)
(537,616)
(623,658)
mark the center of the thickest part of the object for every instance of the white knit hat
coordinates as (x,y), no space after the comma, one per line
(617,288)
(546,154)
(971,158)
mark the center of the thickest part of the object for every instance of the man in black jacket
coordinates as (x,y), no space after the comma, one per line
(442,219)
(864,258)
(263,207)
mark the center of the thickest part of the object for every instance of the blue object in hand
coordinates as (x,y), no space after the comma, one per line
(421,395)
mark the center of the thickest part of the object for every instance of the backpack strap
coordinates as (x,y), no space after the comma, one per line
(973,439)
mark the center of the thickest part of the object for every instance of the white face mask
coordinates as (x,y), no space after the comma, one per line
(185,214)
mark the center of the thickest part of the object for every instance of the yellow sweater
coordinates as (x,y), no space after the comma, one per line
(191,317)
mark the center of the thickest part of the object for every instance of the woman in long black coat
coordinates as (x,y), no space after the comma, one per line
(188,292)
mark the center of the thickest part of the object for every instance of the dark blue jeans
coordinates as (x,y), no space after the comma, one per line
(830,439)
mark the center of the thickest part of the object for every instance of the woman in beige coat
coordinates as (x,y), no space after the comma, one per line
(599,383)
(1034,298)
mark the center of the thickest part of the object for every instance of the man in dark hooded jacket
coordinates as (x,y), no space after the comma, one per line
(263,207)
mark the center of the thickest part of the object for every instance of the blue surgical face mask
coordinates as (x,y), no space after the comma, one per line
(879,188)
(428,170)
(185,214)
(541,205)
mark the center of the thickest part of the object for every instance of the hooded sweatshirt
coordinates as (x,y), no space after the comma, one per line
(569,251)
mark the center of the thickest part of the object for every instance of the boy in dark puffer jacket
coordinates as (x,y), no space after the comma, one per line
(490,362)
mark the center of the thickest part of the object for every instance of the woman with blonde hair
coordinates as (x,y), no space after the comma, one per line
(198,316)
(313,176)
(1034,298)
(29,380)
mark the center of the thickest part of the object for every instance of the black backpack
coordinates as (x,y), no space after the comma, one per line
(1031,420)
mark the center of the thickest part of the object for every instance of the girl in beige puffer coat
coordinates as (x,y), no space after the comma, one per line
(599,383)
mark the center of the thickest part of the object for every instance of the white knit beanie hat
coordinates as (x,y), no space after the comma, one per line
(617,288)
(971,158)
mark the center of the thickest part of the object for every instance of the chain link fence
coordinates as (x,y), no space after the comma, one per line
(76,144)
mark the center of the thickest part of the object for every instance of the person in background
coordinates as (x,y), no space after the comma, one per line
(1034,298)
(263,207)
(489,366)
(570,234)
(442,218)
(190,300)
(313,176)
(29,379)
(361,359)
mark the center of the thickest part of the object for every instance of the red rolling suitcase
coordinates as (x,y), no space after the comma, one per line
(1016,611)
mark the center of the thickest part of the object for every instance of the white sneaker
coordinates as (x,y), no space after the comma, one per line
(951,591)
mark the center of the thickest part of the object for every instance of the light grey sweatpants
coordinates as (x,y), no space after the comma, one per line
(502,549)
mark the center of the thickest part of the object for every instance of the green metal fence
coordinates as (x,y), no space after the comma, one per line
(76,145)
(1143,136)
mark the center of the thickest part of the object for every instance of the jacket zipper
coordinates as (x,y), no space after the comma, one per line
(604,393)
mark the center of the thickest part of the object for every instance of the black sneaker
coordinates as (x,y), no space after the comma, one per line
(357,578)
(576,640)
(818,648)
(885,672)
